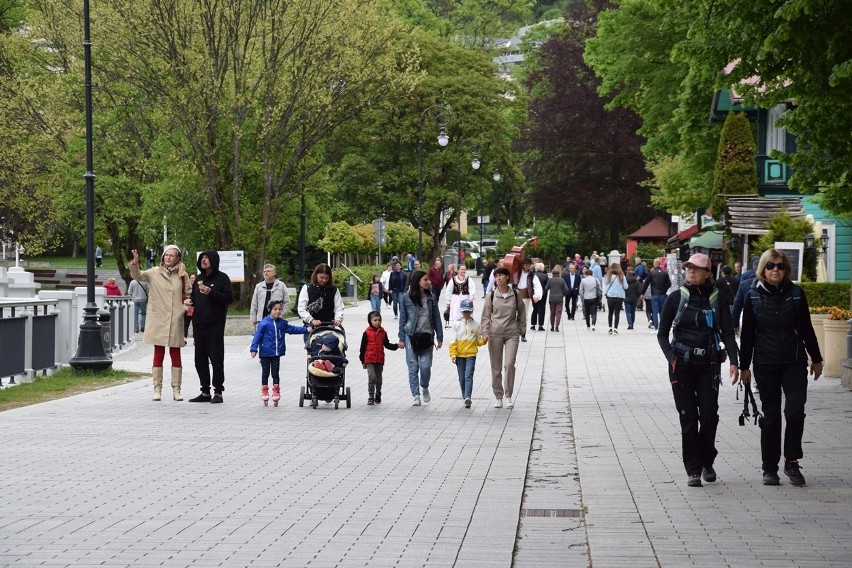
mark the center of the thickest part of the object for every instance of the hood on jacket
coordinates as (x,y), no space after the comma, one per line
(174,248)
(214,261)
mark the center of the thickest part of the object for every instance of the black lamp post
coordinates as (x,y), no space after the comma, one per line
(91,354)
(824,240)
(474,164)
(496,177)
(443,140)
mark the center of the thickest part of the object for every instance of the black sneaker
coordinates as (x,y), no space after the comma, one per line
(541,328)
(791,469)
(709,474)
(203,397)
(371,401)
(378,398)
(217,398)
(771,478)
(694,480)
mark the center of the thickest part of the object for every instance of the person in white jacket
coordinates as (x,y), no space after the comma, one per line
(589,287)
(528,277)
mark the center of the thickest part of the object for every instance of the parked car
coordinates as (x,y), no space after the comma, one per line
(471,248)
(489,244)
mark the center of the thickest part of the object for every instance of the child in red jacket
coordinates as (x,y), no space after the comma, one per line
(373,345)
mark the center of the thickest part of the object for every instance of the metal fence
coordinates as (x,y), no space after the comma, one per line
(27,338)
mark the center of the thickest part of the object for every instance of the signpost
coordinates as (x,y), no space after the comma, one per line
(380,226)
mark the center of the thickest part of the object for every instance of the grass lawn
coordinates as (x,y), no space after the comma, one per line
(66,262)
(61,384)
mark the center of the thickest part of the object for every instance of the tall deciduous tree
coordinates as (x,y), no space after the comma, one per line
(585,161)
(736,172)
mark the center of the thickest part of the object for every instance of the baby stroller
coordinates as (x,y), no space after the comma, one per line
(326,371)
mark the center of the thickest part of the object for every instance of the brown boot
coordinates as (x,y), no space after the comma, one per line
(177,376)
(157,376)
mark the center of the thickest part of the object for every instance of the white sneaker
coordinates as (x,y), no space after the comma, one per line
(615,331)
(498,403)
(593,328)
(509,403)
(416,401)
(426,397)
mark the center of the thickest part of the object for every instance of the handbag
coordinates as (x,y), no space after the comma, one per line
(421,341)
(447,314)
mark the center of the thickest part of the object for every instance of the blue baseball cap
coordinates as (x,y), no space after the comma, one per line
(466,306)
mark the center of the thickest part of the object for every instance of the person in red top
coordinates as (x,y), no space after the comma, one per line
(373,345)
(436,276)
(112,288)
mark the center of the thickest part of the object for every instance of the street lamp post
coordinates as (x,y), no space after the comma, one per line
(91,354)
(474,164)
(443,139)
(496,177)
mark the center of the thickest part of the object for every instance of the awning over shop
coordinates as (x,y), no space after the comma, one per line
(683,235)
(708,240)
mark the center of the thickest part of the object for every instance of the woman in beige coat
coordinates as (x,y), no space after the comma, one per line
(503,323)
(168,288)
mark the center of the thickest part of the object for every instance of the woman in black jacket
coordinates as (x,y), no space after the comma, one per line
(778,337)
(695,360)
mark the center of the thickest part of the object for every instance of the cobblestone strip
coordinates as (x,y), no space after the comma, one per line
(551,531)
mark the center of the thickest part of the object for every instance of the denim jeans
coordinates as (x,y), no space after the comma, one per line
(418,363)
(376,303)
(630,313)
(657,301)
(140,311)
(465,367)
(397,298)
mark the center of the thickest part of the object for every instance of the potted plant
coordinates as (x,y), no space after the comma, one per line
(818,315)
(835,329)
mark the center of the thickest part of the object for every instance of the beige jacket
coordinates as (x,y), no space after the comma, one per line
(503,317)
(164,323)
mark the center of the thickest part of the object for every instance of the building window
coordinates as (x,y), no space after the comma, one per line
(775,135)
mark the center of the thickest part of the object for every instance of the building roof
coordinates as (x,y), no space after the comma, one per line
(750,214)
(655,229)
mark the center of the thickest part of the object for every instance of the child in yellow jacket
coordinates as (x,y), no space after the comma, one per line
(464,347)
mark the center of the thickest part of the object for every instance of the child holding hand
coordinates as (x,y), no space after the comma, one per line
(269,341)
(372,355)
(464,347)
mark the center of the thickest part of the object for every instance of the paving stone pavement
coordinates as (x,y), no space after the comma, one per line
(584,471)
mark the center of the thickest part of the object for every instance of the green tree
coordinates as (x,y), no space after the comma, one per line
(736,172)
(783,228)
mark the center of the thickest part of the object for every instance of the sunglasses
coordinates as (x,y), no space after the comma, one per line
(774,265)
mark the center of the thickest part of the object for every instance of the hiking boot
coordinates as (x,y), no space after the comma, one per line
(694,480)
(791,470)
(709,474)
(771,478)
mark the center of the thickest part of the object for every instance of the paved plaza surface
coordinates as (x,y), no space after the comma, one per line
(584,471)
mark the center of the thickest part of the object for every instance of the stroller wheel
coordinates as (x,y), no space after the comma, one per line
(348,398)
(314,402)
(302,397)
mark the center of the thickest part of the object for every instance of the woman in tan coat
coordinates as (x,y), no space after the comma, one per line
(168,287)
(503,323)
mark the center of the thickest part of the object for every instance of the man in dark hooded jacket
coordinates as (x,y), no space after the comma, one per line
(211,294)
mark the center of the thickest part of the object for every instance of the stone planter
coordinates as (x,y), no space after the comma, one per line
(817,320)
(835,346)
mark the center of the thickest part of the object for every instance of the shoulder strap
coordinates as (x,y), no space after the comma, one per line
(684,300)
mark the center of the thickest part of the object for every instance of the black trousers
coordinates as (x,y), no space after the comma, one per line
(696,397)
(210,351)
(571,305)
(614,305)
(538,313)
(792,380)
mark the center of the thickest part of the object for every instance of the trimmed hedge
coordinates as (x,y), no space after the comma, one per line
(827,293)
(365,273)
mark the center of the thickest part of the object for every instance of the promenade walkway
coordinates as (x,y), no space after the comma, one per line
(584,471)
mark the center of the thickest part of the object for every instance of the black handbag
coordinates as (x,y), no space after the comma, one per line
(421,341)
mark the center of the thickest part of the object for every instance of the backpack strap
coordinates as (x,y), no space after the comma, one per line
(681,307)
